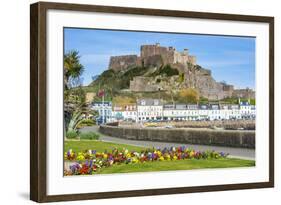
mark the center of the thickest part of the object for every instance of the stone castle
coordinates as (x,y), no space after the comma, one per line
(152,55)
(155,56)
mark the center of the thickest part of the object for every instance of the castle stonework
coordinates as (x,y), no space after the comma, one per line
(152,55)
(118,63)
(155,56)
(169,55)
(244,93)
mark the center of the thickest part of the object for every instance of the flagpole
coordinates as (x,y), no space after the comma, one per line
(103,108)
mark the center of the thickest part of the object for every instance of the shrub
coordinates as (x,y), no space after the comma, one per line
(89,136)
(166,70)
(169,71)
(71,134)
(85,122)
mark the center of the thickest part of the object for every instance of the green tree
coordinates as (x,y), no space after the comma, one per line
(181,78)
(189,95)
(72,67)
(75,108)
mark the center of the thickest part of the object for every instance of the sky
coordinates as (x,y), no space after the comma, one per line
(230,58)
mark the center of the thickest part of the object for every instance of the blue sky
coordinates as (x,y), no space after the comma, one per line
(231,59)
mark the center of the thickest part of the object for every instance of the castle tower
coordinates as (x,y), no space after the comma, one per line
(185,51)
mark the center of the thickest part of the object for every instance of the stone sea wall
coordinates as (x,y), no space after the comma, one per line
(229,138)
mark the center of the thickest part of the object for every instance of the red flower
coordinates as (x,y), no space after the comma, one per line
(84,169)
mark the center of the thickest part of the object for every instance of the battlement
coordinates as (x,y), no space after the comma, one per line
(152,55)
(169,54)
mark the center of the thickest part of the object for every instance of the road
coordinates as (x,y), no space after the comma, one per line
(242,153)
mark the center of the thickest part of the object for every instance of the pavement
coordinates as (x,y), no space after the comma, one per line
(242,153)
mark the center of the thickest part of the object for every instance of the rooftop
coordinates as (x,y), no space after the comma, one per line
(149,102)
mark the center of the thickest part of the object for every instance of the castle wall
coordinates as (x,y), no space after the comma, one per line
(228,90)
(244,93)
(192,60)
(118,63)
(169,55)
(155,60)
(180,58)
(151,55)
(151,50)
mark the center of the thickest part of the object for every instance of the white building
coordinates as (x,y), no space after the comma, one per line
(247,110)
(125,112)
(154,109)
(203,112)
(234,112)
(214,112)
(227,112)
(183,112)
(175,112)
(105,111)
(149,109)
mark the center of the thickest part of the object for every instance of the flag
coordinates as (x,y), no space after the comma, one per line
(101,93)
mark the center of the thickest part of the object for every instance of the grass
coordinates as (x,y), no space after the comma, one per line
(189,164)
(177,165)
(99,146)
(89,136)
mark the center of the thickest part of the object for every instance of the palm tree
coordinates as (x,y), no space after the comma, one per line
(72,66)
(72,71)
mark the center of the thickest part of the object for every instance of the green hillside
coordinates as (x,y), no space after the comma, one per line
(117,83)
(116,86)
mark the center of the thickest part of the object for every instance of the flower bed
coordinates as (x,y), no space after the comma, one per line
(90,161)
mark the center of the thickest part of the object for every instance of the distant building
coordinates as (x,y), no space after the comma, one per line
(244,93)
(247,110)
(203,112)
(149,109)
(154,110)
(125,112)
(180,112)
(104,109)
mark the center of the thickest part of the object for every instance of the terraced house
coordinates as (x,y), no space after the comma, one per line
(156,110)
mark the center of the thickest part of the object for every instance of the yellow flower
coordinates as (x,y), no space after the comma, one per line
(161,158)
(191,153)
(159,153)
(135,160)
(80,156)
(167,157)
(128,155)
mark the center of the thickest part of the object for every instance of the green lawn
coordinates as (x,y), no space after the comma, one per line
(153,166)
(99,146)
(177,165)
